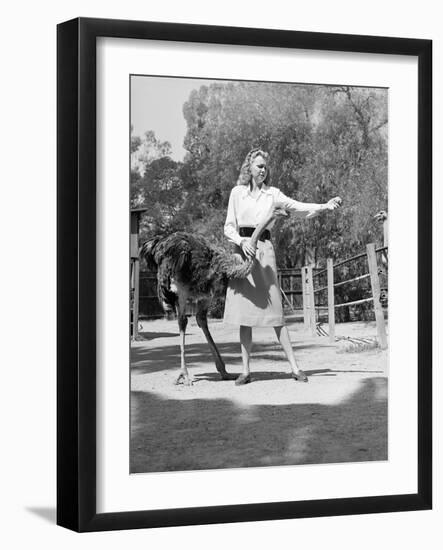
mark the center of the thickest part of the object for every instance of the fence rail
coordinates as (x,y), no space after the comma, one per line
(360,278)
(349,260)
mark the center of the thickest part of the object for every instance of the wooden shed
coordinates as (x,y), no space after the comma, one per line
(134,245)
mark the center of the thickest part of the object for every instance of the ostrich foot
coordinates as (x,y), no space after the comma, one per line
(185,379)
(300,376)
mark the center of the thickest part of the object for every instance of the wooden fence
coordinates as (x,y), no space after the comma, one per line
(290,281)
(149,305)
(310,293)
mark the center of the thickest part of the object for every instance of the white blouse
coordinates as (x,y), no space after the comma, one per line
(245,210)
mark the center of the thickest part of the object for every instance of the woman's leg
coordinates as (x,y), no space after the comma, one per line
(283,337)
(246,347)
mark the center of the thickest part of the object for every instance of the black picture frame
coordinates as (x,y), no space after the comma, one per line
(76,266)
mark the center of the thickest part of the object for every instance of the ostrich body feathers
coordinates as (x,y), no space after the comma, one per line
(189,265)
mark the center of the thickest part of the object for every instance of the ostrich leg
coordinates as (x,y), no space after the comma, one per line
(182,324)
(202,321)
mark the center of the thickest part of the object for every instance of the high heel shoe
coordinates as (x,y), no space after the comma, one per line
(300,376)
(243,379)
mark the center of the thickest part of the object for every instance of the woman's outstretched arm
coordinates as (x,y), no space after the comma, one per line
(307,209)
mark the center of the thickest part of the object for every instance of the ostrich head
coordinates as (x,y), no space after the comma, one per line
(381,216)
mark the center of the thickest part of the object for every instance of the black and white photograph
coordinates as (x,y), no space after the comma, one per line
(259,261)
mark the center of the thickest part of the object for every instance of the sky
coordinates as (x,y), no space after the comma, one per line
(157,103)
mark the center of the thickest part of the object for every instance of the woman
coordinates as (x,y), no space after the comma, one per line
(256,300)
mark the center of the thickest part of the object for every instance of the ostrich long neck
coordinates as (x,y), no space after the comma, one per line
(239,269)
(262,225)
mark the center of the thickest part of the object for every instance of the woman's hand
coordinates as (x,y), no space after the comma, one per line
(248,249)
(332,204)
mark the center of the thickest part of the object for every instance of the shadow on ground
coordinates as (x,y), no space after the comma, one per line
(170,434)
(145,335)
(166,357)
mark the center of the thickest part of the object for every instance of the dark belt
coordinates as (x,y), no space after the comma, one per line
(247,232)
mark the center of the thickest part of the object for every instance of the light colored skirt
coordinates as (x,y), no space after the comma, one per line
(256,300)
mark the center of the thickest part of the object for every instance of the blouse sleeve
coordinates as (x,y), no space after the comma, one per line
(231,225)
(301,209)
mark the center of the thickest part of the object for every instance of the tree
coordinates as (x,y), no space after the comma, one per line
(146,149)
(155,184)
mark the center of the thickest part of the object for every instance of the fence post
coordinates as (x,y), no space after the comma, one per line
(310,289)
(331,302)
(385,233)
(304,297)
(136,299)
(375,285)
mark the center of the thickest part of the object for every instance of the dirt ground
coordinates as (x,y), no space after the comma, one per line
(340,415)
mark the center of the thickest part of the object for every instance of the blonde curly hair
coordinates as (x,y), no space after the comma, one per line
(245,176)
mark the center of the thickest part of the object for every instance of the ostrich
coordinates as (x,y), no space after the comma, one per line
(382,217)
(188,266)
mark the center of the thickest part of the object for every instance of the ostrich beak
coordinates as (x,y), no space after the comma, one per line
(280,212)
